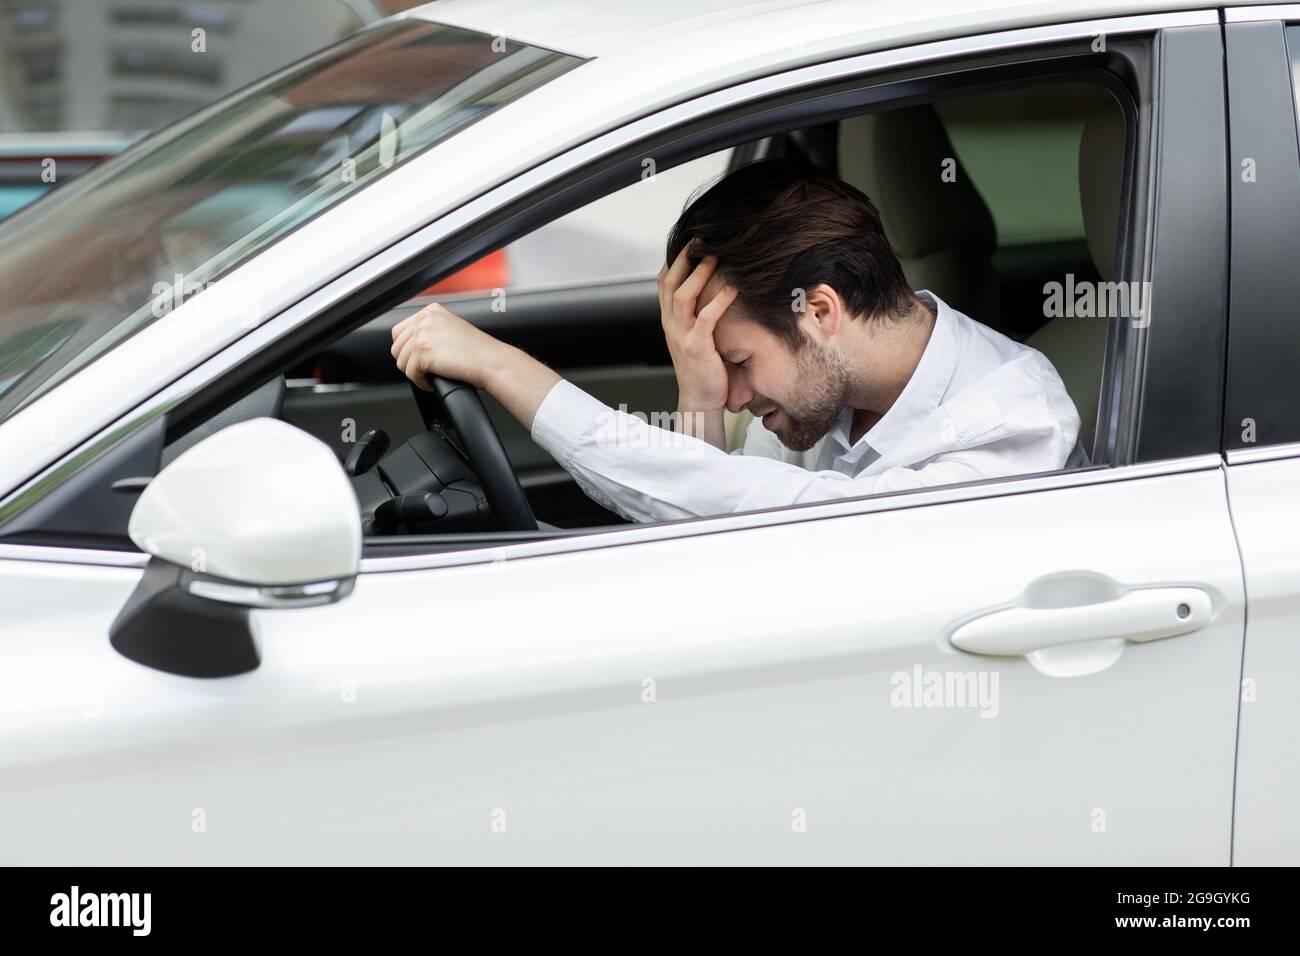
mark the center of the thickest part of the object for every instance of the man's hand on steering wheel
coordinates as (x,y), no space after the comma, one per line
(436,341)
(442,353)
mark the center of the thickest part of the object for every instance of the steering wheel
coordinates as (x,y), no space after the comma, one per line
(458,404)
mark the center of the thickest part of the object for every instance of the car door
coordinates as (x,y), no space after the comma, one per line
(1262,422)
(1041,669)
(779,692)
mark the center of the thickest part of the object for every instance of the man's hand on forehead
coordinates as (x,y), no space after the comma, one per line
(688,317)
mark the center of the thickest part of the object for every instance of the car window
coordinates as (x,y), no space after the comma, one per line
(619,236)
(215,189)
(1021,150)
(973,242)
(982,197)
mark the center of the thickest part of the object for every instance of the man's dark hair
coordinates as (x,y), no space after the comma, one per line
(778,225)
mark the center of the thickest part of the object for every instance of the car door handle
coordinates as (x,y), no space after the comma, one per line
(1144,614)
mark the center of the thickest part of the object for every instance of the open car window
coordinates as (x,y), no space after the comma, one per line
(973,239)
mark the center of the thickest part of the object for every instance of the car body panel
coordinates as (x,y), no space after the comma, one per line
(758,718)
(1266,512)
(546,702)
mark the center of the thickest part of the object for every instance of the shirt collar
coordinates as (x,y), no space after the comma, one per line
(922,393)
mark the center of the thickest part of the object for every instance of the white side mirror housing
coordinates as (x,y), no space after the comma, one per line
(261,503)
(259,515)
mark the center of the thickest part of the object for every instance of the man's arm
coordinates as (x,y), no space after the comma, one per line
(649,474)
(436,341)
(520,383)
(706,424)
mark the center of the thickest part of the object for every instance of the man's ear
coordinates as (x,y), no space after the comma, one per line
(823,313)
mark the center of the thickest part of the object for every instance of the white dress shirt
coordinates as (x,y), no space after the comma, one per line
(979,405)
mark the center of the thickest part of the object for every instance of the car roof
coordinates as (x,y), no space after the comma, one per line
(600,28)
(643,57)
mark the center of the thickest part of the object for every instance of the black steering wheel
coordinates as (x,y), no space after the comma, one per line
(458,405)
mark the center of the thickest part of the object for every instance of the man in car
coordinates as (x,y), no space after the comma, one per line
(782,296)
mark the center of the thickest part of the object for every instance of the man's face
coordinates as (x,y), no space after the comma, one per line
(799,395)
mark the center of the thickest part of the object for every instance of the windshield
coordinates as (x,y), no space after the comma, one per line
(99,258)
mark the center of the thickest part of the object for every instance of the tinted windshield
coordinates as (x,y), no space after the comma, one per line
(102,256)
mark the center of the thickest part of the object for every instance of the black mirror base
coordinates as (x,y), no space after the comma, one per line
(164,627)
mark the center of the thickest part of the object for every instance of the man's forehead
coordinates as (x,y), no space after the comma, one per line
(735,330)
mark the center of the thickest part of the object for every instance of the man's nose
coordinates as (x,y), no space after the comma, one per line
(738,394)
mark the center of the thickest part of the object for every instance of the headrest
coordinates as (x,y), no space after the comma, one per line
(898,159)
(1101,177)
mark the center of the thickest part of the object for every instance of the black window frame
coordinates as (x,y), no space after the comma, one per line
(1263,353)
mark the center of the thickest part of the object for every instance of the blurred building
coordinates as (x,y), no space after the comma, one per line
(130,65)
(80,79)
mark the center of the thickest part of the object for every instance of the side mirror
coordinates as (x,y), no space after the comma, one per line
(259,515)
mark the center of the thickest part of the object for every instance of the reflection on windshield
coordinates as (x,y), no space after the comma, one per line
(102,256)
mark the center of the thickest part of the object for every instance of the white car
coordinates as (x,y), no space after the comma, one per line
(256,606)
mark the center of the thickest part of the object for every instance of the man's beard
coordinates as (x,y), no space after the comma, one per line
(826,375)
